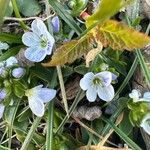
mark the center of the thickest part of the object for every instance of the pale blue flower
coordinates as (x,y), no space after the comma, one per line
(11,61)
(55,24)
(136,96)
(18,72)
(40,42)
(145,124)
(100,84)
(2,107)
(37,96)
(3,46)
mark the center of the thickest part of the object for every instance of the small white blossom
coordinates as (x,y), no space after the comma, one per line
(136,96)
(100,84)
(37,96)
(40,42)
(145,124)
(3,46)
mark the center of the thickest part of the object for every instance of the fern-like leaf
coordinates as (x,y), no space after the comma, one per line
(119,36)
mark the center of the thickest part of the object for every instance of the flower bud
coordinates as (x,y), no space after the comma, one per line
(2,94)
(18,72)
(55,24)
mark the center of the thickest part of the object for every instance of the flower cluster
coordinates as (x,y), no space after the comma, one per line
(98,84)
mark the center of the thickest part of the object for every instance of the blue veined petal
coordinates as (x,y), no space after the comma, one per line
(44,94)
(145,124)
(91,94)
(30,39)
(146,96)
(38,27)
(55,24)
(106,93)
(35,54)
(36,106)
(2,107)
(50,43)
(106,77)
(85,82)
(11,61)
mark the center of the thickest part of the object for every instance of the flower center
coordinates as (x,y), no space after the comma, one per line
(97,81)
(28,93)
(43,41)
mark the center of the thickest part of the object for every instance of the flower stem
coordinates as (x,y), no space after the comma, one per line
(15,8)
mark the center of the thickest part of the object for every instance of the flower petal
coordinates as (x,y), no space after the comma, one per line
(91,94)
(135,94)
(106,77)
(146,123)
(2,107)
(106,93)
(30,39)
(50,43)
(11,61)
(45,94)
(36,106)
(35,54)
(146,96)
(85,81)
(38,27)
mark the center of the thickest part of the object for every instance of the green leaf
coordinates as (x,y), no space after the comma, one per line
(70,51)
(10,38)
(119,36)
(81,69)
(4,148)
(10,52)
(29,7)
(62,12)
(18,88)
(122,135)
(3,6)
(105,10)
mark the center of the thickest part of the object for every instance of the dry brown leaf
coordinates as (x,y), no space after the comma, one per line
(92,53)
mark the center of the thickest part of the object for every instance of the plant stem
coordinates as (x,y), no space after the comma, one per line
(30,133)
(15,8)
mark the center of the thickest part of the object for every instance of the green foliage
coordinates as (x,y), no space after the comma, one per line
(29,7)
(3,6)
(105,10)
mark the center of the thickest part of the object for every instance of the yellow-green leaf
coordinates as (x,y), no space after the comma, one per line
(105,10)
(119,36)
(70,51)
(3,6)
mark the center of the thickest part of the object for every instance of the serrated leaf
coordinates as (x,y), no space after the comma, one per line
(70,51)
(105,10)
(119,36)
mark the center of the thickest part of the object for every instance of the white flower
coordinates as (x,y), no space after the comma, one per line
(37,96)
(135,95)
(40,42)
(3,46)
(100,84)
(145,124)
